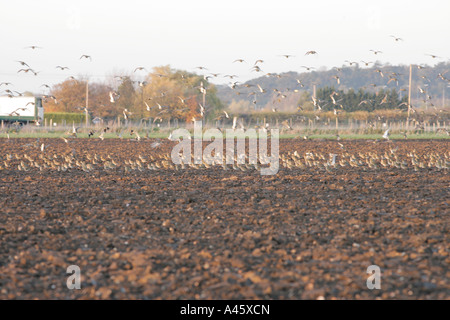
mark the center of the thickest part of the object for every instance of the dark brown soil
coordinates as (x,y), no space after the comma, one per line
(308,232)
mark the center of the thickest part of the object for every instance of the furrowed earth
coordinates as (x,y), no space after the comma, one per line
(139,228)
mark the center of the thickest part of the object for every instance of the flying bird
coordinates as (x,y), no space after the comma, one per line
(351,62)
(113,96)
(86,56)
(139,69)
(28,70)
(23,63)
(261,89)
(396,38)
(337,79)
(310,52)
(380,72)
(33,47)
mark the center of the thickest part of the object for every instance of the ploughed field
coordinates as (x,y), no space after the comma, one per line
(140,228)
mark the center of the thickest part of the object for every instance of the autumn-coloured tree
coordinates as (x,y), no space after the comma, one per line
(99,101)
(165,93)
(70,96)
(176,94)
(126,96)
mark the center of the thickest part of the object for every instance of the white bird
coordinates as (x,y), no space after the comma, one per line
(155,144)
(111,96)
(234,123)
(202,109)
(333,159)
(386,134)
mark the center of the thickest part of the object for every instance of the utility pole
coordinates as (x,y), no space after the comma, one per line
(203,91)
(443,95)
(142,108)
(314,95)
(87,103)
(409,95)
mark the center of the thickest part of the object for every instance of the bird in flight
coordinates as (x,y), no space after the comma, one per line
(139,68)
(113,96)
(86,56)
(396,38)
(376,51)
(62,68)
(337,79)
(33,47)
(23,63)
(351,62)
(287,56)
(258,61)
(310,52)
(239,60)
(28,70)
(308,68)
(433,56)
(380,72)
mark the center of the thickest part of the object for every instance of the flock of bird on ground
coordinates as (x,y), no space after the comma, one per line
(36,156)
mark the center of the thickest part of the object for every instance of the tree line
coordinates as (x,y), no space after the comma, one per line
(164,94)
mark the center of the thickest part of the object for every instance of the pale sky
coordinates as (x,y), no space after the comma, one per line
(123,35)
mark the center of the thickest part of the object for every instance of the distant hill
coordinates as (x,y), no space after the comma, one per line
(284,90)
